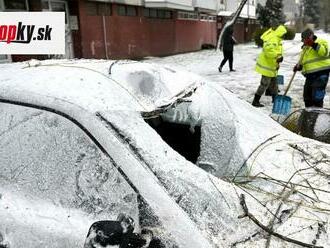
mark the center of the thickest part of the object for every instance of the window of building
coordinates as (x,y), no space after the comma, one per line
(59,6)
(208,18)
(239,20)
(153,13)
(212,18)
(157,13)
(45,5)
(131,11)
(188,15)
(168,14)
(15,4)
(98,9)
(126,10)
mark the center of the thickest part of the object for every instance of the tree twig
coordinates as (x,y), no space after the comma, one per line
(269,231)
(255,149)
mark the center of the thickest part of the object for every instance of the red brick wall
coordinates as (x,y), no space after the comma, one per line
(131,37)
(136,37)
(91,33)
(190,35)
(243,30)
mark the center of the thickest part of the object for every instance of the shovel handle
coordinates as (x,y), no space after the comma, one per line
(289,85)
(294,74)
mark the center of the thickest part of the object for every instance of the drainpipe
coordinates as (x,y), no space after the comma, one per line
(105,38)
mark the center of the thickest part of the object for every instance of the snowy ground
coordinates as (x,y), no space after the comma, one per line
(245,80)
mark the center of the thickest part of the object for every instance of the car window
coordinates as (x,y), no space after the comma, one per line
(45,155)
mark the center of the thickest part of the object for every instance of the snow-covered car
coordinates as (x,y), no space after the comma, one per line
(86,141)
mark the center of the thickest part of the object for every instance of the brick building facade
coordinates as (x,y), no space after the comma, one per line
(117,29)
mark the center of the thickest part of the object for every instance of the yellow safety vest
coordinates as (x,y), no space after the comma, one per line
(272,49)
(316,60)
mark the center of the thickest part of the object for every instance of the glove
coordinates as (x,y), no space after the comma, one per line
(315,45)
(279,60)
(297,67)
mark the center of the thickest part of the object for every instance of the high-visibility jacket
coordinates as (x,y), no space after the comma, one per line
(315,60)
(272,49)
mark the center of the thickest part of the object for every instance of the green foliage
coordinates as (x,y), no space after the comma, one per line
(312,11)
(257,34)
(271,13)
(290,34)
(263,15)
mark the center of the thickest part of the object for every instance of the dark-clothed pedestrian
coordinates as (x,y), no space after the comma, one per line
(315,66)
(227,46)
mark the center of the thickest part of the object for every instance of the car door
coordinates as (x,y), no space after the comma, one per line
(55,181)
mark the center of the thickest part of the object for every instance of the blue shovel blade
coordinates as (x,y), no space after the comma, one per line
(282,105)
(280,79)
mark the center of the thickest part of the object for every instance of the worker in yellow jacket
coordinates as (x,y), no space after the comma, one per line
(315,66)
(268,62)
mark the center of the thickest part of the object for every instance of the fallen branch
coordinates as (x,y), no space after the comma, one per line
(327,176)
(255,149)
(269,231)
(245,240)
(271,224)
(256,199)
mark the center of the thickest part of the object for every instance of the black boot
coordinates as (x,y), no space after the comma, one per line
(256,102)
(220,68)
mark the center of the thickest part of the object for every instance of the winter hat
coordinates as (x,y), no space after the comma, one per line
(306,33)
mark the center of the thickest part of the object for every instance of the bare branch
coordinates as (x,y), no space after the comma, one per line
(269,231)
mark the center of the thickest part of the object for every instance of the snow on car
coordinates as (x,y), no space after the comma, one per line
(90,140)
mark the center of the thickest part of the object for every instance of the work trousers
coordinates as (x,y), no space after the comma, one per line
(314,90)
(267,82)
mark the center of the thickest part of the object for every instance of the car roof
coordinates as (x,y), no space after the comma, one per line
(97,85)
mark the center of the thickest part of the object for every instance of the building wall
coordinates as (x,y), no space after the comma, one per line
(112,36)
(243,28)
(245,25)
(212,5)
(190,35)
(138,36)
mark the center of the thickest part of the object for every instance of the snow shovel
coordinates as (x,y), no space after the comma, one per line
(282,103)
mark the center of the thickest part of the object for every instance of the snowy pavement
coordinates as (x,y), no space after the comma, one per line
(245,80)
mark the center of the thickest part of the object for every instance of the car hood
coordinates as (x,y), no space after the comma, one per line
(102,84)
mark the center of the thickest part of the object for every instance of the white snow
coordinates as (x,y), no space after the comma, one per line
(277,170)
(131,85)
(245,80)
